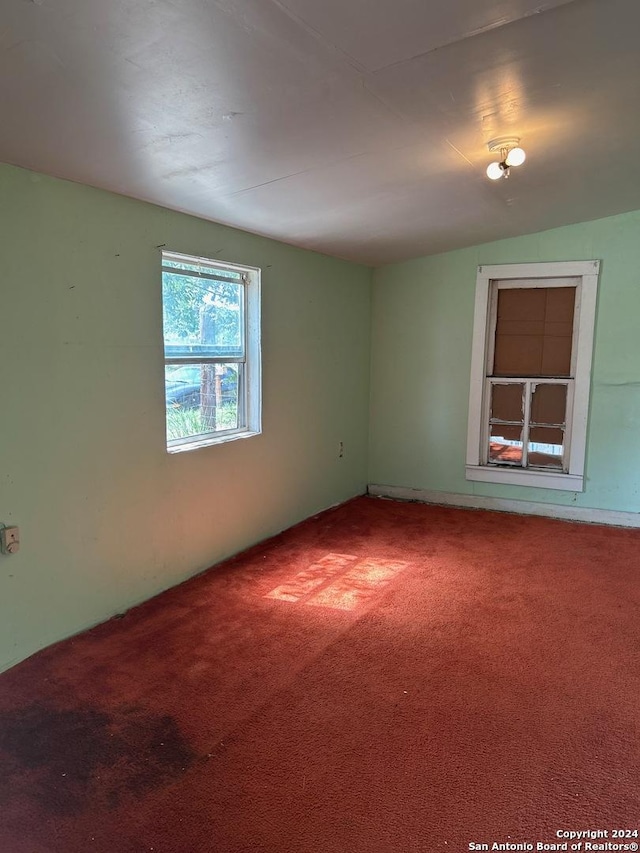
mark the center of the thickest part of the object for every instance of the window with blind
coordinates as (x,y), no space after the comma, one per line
(211,325)
(530,379)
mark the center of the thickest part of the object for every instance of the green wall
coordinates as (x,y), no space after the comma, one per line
(107,517)
(421,357)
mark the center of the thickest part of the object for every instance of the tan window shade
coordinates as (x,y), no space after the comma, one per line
(534,329)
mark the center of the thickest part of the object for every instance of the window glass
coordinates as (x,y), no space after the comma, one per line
(548,404)
(507,402)
(212,351)
(505,444)
(202,317)
(546,447)
(202,398)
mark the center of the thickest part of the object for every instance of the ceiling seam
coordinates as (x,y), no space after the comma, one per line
(541,10)
(319,36)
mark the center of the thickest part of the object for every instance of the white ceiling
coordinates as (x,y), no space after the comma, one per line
(354,127)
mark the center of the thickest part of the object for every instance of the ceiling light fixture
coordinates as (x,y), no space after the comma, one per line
(510,155)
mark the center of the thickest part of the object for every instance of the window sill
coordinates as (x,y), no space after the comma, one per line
(535,479)
(209,440)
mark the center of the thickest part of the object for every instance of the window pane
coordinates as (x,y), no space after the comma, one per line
(507,402)
(202,317)
(202,398)
(549,404)
(546,446)
(505,444)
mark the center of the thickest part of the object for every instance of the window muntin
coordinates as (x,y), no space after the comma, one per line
(211,346)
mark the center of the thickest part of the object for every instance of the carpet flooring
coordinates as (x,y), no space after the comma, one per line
(384,677)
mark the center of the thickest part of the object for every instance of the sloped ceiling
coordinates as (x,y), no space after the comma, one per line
(356,128)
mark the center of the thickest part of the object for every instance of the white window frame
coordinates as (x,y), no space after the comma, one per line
(250,393)
(585,275)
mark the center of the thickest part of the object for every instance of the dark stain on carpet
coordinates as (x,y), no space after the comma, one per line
(68,759)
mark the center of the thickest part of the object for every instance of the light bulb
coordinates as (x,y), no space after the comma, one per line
(494,171)
(516,157)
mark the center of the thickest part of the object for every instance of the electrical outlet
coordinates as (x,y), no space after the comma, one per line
(9,540)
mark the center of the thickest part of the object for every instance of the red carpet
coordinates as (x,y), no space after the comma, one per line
(384,677)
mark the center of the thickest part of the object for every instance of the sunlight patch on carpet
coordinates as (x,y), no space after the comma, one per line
(339,581)
(316,575)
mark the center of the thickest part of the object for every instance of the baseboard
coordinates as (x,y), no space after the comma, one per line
(568,513)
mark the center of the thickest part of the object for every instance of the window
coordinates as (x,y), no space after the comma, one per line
(211,322)
(530,374)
